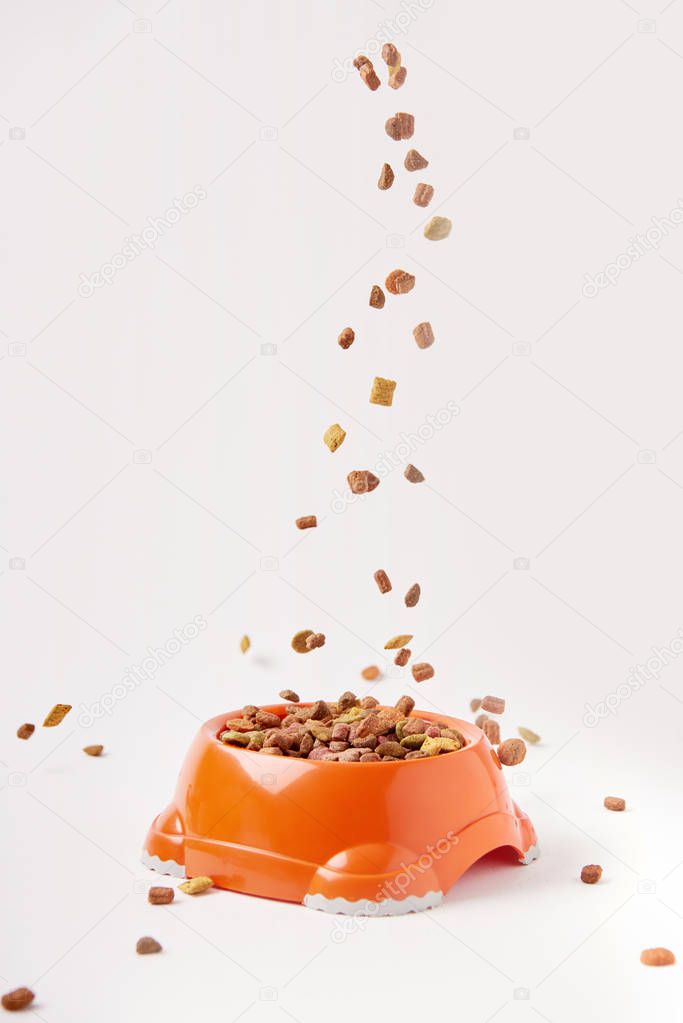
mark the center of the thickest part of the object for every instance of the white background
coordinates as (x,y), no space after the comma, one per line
(566,450)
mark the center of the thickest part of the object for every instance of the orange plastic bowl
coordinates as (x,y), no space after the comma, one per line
(377,838)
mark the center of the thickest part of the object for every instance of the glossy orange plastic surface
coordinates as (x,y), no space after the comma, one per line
(317,831)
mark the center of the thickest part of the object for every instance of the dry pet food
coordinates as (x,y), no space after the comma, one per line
(399,282)
(491,730)
(334,436)
(528,735)
(415,161)
(160,896)
(306,522)
(377,297)
(196,885)
(94,750)
(591,873)
(299,641)
(413,475)
(314,641)
(400,126)
(422,671)
(391,56)
(382,392)
(386,177)
(20,998)
(475,705)
(615,803)
(367,72)
(511,752)
(370,673)
(289,695)
(245,643)
(423,194)
(402,657)
(413,595)
(56,715)
(479,721)
(362,481)
(397,78)
(147,946)
(346,338)
(649,957)
(437,229)
(424,335)
(25,731)
(493,704)
(396,642)
(383,581)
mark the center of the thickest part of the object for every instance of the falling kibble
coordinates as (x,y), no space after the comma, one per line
(657,957)
(93,751)
(299,641)
(370,673)
(531,737)
(147,946)
(437,229)
(56,715)
(18,999)
(245,643)
(25,731)
(397,641)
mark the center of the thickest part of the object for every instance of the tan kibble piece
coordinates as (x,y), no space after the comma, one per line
(307,522)
(93,751)
(491,730)
(367,72)
(386,177)
(383,581)
(615,803)
(25,731)
(399,282)
(422,671)
(346,338)
(397,78)
(413,474)
(391,56)
(413,595)
(591,873)
(424,335)
(437,229)
(334,436)
(299,641)
(196,885)
(315,641)
(370,673)
(493,704)
(402,657)
(362,481)
(360,60)
(530,737)
(18,999)
(511,752)
(415,161)
(245,643)
(475,705)
(423,194)
(400,126)
(382,392)
(479,721)
(377,297)
(289,695)
(147,946)
(406,705)
(56,715)
(657,957)
(160,896)
(396,642)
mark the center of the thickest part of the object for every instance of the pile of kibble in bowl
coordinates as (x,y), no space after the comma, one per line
(350,730)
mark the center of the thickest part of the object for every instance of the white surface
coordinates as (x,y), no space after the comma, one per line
(122,115)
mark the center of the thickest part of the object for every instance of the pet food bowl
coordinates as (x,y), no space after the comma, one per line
(378,838)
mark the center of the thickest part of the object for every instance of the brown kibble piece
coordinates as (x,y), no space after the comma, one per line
(437,229)
(147,946)
(334,436)
(391,56)
(160,896)
(413,474)
(400,126)
(423,194)
(657,957)
(591,873)
(346,338)
(307,522)
(195,885)
(25,731)
(245,643)
(383,581)
(415,161)
(386,177)
(299,641)
(400,282)
(362,481)
(314,641)
(528,735)
(475,705)
(397,641)
(377,297)
(479,721)
(20,998)
(289,695)
(424,335)
(369,76)
(511,752)
(93,751)
(360,60)
(491,730)
(406,704)
(493,704)
(397,78)
(382,391)
(413,595)
(56,715)
(370,673)
(615,803)
(422,671)
(402,657)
